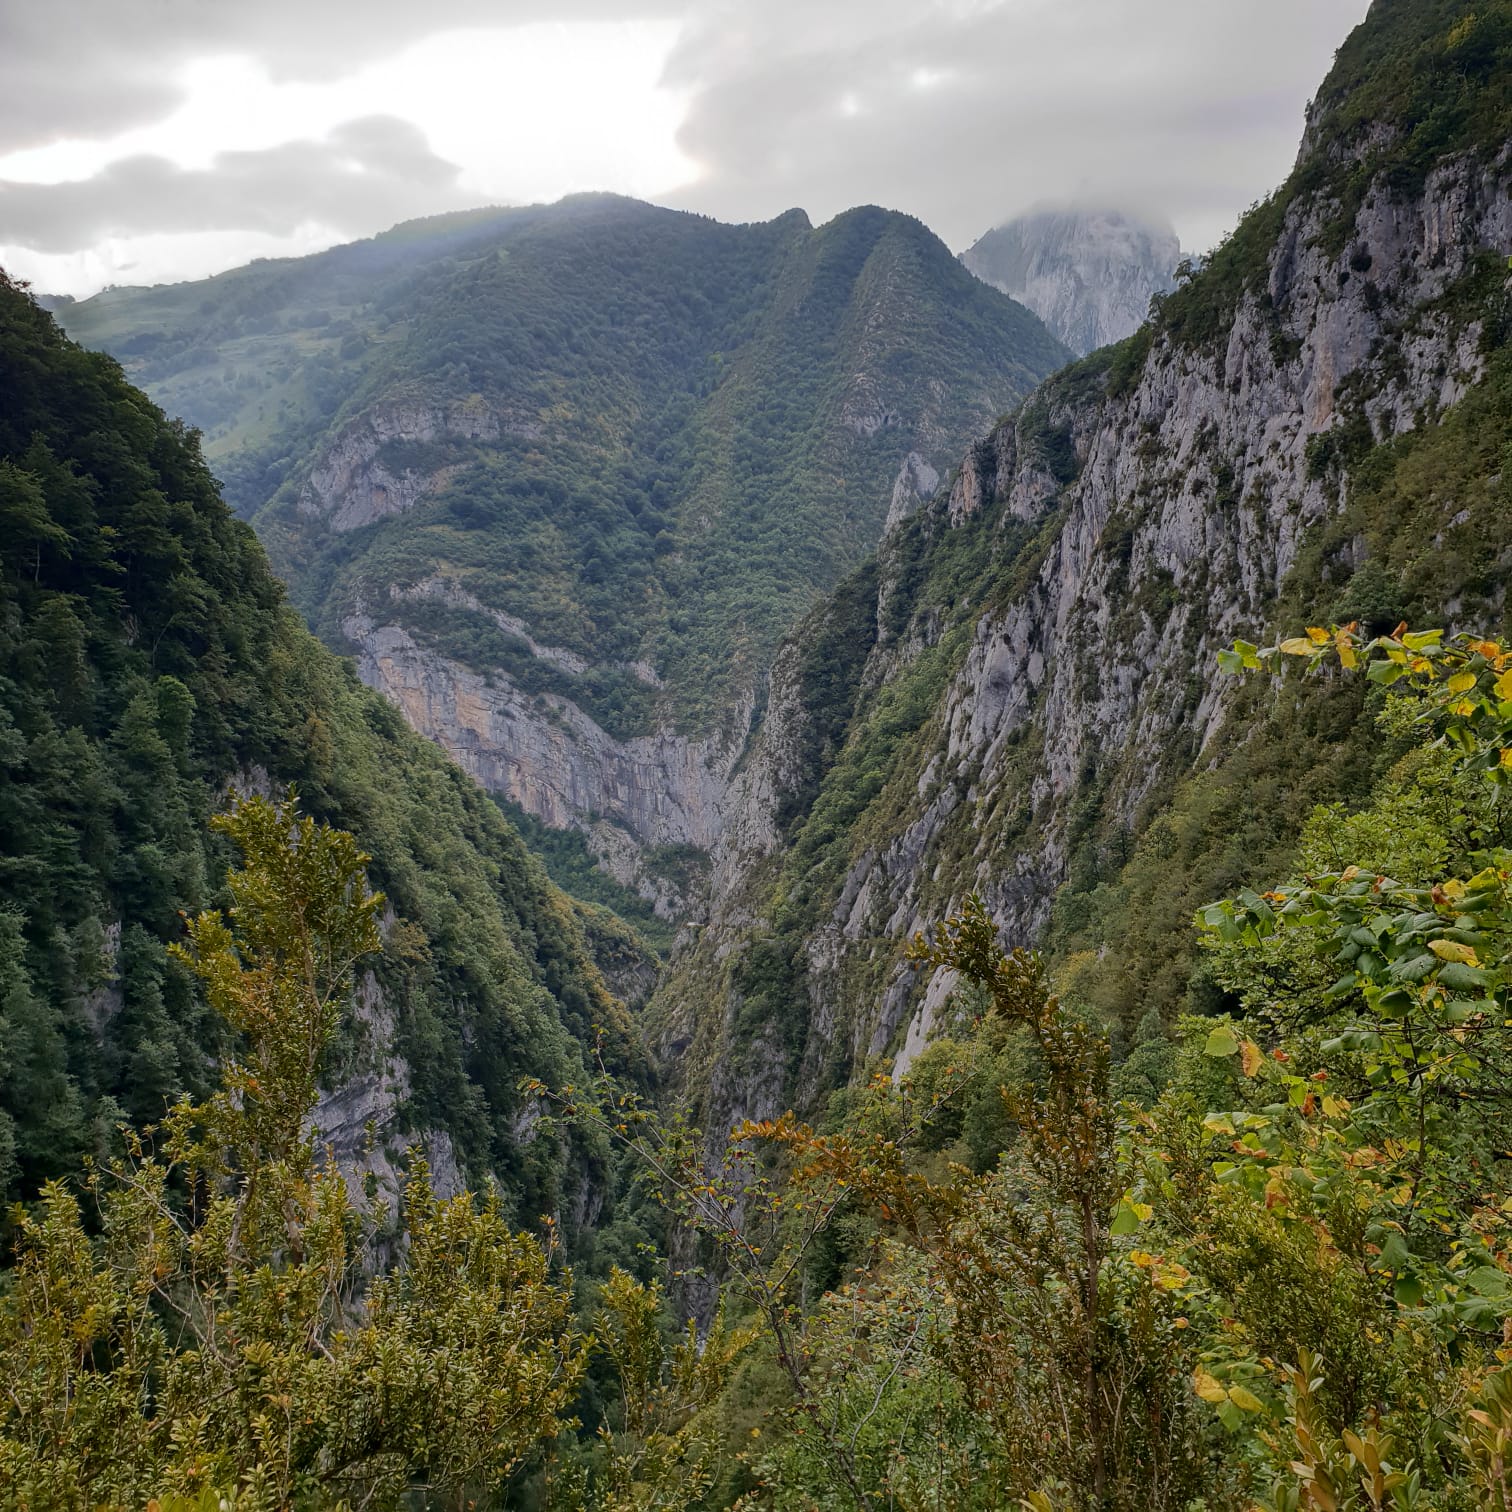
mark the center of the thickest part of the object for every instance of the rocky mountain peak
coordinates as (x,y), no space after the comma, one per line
(1088,274)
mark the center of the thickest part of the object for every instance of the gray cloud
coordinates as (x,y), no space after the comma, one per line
(365,174)
(962,110)
(98,67)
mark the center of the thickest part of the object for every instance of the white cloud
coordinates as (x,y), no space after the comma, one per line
(517,115)
(960,111)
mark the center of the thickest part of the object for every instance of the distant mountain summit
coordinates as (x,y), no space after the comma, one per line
(1088,274)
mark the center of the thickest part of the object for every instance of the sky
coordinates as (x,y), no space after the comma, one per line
(146,141)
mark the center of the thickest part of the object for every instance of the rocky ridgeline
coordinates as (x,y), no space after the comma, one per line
(1194,485)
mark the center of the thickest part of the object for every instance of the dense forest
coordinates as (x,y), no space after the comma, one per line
(149,663)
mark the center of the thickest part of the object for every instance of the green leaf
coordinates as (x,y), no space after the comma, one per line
(1414,969)
(1488,1281)
(1462,978)
(1408,1291)
(1125,1220)
(1221,1041)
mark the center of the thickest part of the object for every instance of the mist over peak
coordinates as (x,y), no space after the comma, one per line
(1088,271)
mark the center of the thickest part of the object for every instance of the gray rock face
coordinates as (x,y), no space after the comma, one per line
(1088,274)
(356,482)
(547,755)
(1072,663)
(363,1122)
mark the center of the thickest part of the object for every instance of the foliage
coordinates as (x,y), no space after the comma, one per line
(222,1341)
(666,1451)
(758,1236)
(148,662)
(1283,1278)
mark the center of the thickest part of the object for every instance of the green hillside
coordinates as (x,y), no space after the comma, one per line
(148,661)
(649,437)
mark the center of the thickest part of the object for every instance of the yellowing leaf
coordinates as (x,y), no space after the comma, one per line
(1462,682)
(1347,656)
(1245,1399)
(1452,950)
(1250,1057)
(1503,684)
(1298,645)
(1317,635)
(1170,1277)
(1208,1387)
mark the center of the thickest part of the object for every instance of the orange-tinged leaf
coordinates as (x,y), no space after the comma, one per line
(1171,1277)
(1250,1057)
(1317,635)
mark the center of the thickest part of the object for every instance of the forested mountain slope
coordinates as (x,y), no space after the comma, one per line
(561,477)
(149,662)
(1021,696)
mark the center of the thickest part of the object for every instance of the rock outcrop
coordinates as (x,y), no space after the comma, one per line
(1200,471)
(1088,274)
(362,475)
(544,753)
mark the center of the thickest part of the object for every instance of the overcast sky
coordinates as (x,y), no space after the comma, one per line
(149,140)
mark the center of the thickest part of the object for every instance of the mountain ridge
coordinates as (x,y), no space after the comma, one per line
(1038,715)
(581,470)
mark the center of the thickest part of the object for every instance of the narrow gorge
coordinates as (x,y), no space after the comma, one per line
(1032,707)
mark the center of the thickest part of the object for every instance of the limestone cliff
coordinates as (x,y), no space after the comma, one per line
(1039,654)
(542,752)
